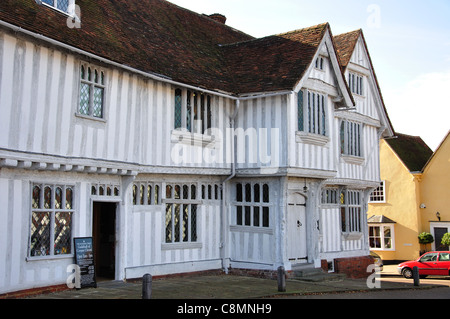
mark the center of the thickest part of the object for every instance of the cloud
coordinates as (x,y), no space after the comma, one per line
(421,107)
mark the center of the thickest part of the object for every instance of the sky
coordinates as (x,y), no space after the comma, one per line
(408,41)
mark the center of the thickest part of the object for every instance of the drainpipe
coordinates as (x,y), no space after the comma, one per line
(224,219)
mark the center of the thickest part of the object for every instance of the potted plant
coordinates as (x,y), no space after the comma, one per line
(446,240)
(425,239)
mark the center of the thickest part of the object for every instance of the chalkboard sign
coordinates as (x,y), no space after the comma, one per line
(84,258)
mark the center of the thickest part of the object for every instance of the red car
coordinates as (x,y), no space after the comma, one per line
(434,263)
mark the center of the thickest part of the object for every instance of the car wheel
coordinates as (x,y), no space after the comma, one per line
(407,273)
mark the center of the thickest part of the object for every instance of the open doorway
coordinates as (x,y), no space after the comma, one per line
(104,238)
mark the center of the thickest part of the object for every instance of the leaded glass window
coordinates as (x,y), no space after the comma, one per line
(62,5)
(193,111)
(51,220)
(350,137)
(178,111)
(351,211)
(181,214)
(311,112)
(146,194)
(92,91)
(356,83)
(300,111)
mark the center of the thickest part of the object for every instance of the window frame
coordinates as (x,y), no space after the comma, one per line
(378,196)
(319,64)
(70,6)
(252,209)
(382,237)
(351,210)
(188,104)
(312,117)
(52,210)
(356,83)
(146,194)
(351,139)
(171,200)
(93,84)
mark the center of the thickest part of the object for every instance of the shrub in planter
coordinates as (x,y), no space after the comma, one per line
(446,240)
(425,239)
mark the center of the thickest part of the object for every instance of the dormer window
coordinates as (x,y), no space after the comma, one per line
(66,6)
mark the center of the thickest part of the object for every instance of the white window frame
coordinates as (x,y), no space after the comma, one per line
(93,83)
(146,194)
(312,118)
(351,144)
(52,210)
(320,63)
(378,196)
(356,83)
(70,7)
(351,206)
(172,199)
(194,104)
(252,210)
(330,196)
(382,238)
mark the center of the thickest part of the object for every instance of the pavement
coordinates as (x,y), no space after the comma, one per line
(209,286)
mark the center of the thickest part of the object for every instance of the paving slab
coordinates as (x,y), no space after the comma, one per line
(220,287)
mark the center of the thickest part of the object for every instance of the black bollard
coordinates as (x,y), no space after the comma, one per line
(281,279)
(416,276)
(147,287)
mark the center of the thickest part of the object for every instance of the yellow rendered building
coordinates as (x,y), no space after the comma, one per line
(395,216)
(435,194)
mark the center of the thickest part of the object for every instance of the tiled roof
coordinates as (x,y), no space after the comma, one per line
(380,219)
(411,150)
(275,62)
(158,37)
(152,36)
(345,45)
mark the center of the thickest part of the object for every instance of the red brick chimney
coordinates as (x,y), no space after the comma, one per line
(218,17)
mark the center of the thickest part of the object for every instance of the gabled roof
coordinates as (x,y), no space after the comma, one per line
(438,149)
(160,38)
(345,45)
(411,150)
(276,62)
